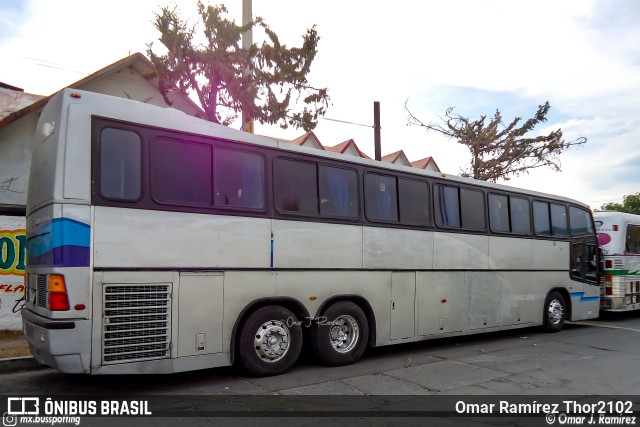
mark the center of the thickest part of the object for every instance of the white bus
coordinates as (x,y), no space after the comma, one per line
(161,243)
(619,237)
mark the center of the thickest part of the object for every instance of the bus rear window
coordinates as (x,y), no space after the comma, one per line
(120,164)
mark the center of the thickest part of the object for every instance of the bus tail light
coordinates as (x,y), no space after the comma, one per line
(58,298)
(615,228)
(608,289)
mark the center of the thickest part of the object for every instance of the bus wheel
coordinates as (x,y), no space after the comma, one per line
(270,341)
(341,334)
(554,311)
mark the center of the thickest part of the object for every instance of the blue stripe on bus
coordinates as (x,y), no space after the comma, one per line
(272,248)
(63,242)
(582,297)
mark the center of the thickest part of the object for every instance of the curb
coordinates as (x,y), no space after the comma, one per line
(17,364)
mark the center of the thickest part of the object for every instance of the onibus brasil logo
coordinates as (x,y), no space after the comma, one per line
(34,410)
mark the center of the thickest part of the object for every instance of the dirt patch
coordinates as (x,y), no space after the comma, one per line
(13,344)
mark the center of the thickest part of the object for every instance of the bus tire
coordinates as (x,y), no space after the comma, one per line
(555,311)
(340,335)
(270,341)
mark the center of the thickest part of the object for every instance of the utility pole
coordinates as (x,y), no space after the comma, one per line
(247,41)
(376,130)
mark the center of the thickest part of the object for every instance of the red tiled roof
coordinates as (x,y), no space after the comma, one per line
(342,147)
(304,138)
(423,163)
(390,158)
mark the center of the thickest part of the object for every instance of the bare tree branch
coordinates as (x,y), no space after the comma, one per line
(500,151)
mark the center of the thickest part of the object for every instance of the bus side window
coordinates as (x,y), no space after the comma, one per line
(580,222)
(296,186)
(559,220)
(381,200)
(338,192)
(239,179)
(499,213)
(181,172)
(520,221)
(541,222)
(413,198)
(120,164)
(447,206)
(472,209)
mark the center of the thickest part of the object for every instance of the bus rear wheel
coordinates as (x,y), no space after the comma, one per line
(341,334)
(270,341)
(555,311)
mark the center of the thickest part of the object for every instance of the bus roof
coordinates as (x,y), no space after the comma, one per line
(622,217)
(169,118)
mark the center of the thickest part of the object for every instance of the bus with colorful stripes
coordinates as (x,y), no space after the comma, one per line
(619,237)
(160,243)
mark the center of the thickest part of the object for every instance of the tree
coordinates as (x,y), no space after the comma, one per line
(630,204)
(500,151)
(265,81)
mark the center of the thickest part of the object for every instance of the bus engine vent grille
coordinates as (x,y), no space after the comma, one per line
(136,322)
(41,289)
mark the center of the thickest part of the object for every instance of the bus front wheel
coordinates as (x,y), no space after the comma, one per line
(555,311)
(340,335)
(270,341)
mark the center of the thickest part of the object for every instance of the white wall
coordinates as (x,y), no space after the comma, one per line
(15,158)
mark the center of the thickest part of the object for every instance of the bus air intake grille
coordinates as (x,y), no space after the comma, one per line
(136,322)
(41,290)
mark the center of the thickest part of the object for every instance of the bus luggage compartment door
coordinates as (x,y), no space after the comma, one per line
(403,291)
(200,313)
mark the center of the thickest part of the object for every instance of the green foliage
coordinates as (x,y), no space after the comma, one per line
(267,82)
(499,150)
(630,204)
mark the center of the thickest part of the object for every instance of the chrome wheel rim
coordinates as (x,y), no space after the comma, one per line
(272,341)
(556,312)
(344,333)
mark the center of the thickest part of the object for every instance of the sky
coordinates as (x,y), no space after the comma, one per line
(583,56)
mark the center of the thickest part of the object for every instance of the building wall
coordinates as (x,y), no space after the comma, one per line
(127,83)
(15,160)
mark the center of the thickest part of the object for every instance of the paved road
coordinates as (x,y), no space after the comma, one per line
(595,357)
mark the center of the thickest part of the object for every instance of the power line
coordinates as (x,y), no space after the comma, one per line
(49,64)
(346,122)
